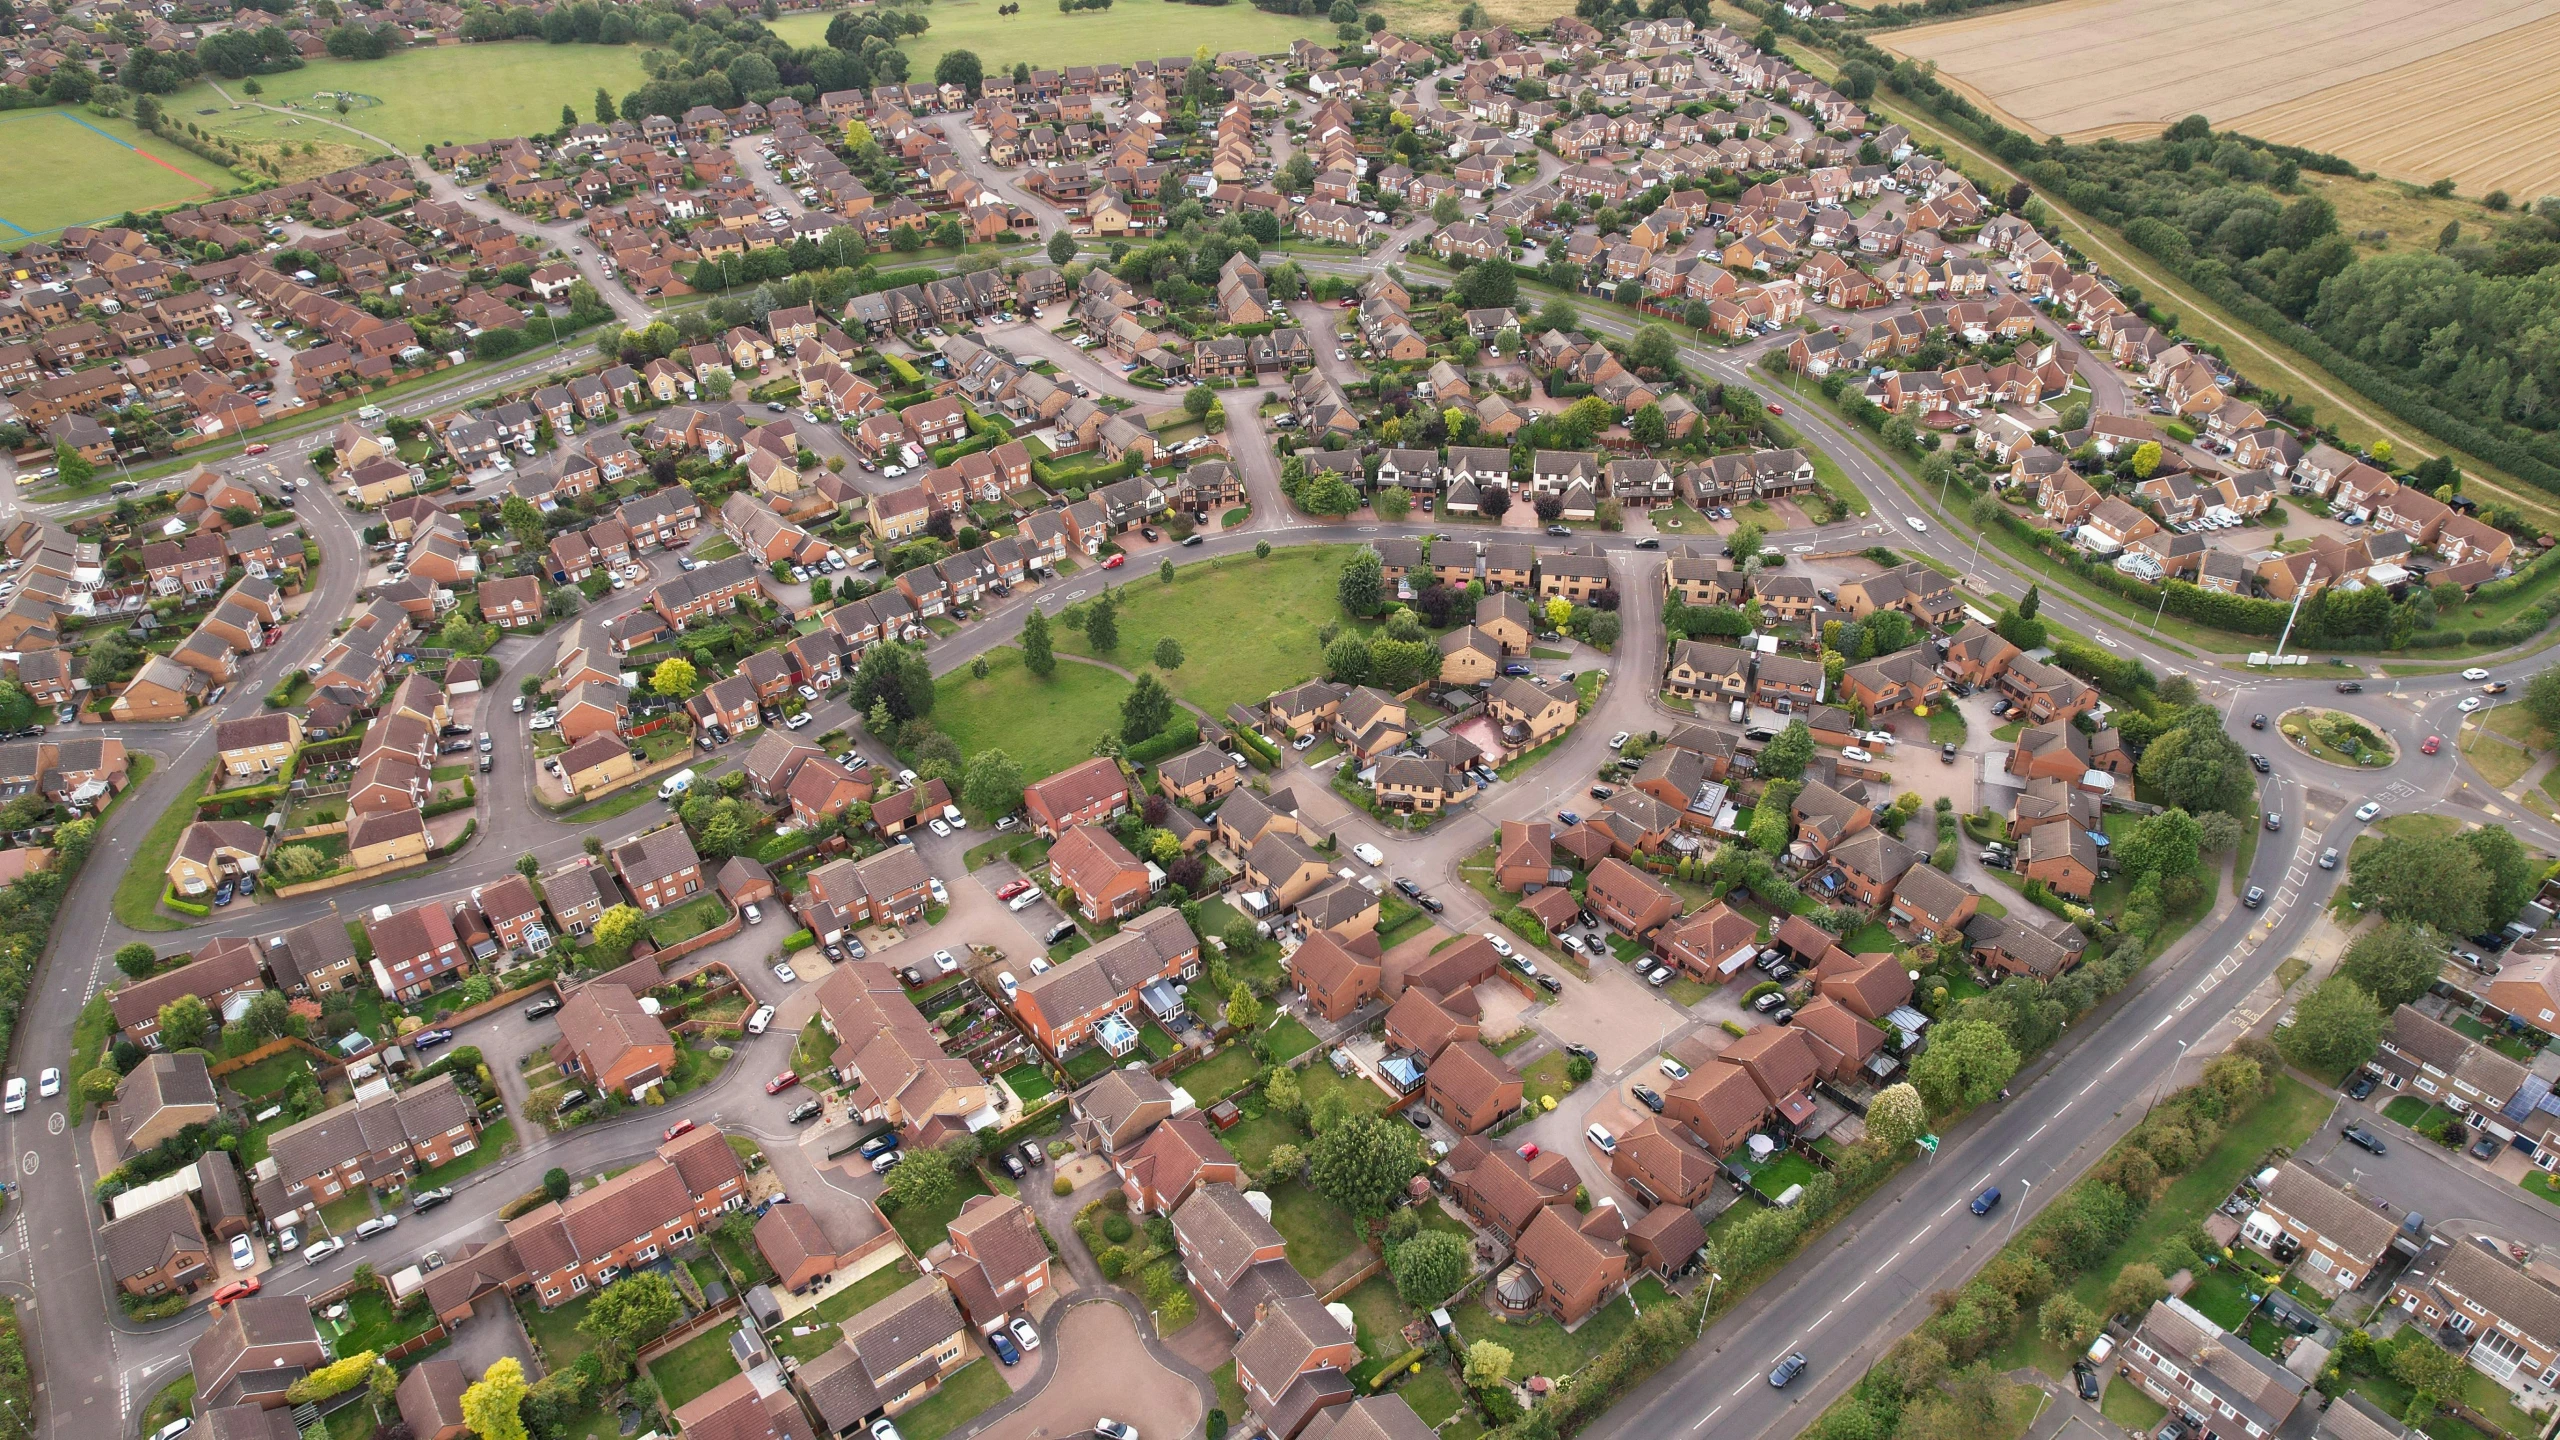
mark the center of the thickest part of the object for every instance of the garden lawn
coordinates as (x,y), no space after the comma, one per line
(371,1325)
(1247,627)
(1871,938)
(1541,1346)
(862,1294)
(1029,1083)
(1380,1315)
(1255,1137)
(695,916)
(1045,725)
(695,1368)
(962,1398)
(1315,1080)
(2124,1403)
(1291,1039)
(268,1076)
(922,1226)
(1545,1077)
(555,1331)
(1220,1075)
(1320,1233)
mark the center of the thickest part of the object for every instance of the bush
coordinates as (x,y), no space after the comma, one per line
(1117,1228)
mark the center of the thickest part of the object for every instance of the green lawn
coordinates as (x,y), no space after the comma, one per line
(137,900)
(1380,1316)
(1045,725)
(962,1398)
(1320,1233)
(695,1368)
(1315,1080)
(683,922)
(495,1141)
(1041,36)
(1030,1084)
(1247,627)
(1870,938)
(619,803)
(922,1226)
(1291,1039)
(66,167)
(864,1293)
(371,1325)
(2126,1405)
(1255,1137)
(428,96)
(1544,1078)
(1220,1075)
(1541,1346)
(268,1076)
(555,1331)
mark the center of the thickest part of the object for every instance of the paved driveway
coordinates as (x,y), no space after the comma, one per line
(492,1332)
(1104,1369)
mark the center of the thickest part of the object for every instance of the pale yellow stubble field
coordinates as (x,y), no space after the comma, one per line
(2414,89)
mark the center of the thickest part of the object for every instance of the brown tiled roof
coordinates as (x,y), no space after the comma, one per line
(1286,1337)
(149,1238)
(602,1023)
(789,1236)
(1001,1233)
(1221,1231)
(225,969)
(655,856)
(1467,1075)
(1872,985)
(2343,1220)
(1563,1255)
(1374,1417)
(430,1395)
(1072,789)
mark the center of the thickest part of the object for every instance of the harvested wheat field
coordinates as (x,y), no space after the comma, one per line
(2415,89)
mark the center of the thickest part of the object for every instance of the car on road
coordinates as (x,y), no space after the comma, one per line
(1025,1334)
(2259,764)
(2475,673)
(2431,745)
(378,1225)
(2360,1087)
(48,1084)
(806,1111)
(1619,740)
(1110,1429)
(678,1128)
(2257,722)
(1500,946)
(783,972)
(2274,821)
(2494,687)
(781,1082)
(17,1097)
(1647,1096)
(1559,529)
(2368,809)
(1191,540)
(1115,562)
(1858,755)
(1777,409)
(2362,1138)
(2350,687)
(1788,1369)
(2257,896)
(426,1200)
(1369,854)
(1987,1201)
(2329,858)
(427,1039)
(2470,703)
(319,1251)
(237,1289)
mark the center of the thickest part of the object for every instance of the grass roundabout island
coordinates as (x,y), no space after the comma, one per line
(2335,737)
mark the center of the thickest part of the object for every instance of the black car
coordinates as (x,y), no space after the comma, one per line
(542,1007)
(1549,983)
(1191,540)
(1559,529)
(1147,530)
(2364,1139)
(1649,542)
(427,1039)
(1648,1097)
(2259,764)
(1787,1370)
(1428,903)
(2085,1376)
(1947,753)
(1576,1047)
(426,1200)
(2350,687)
(806,1111)
(1410,889)
(1013,1165)
(2257,722)
(1603,792)
(1987,1201)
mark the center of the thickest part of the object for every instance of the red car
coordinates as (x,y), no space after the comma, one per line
(255,450)
(2434,744)
(677,1129)
(781,1082)
(1115,562)
(235,1290)
(1016,888)
(1777,409)
(1529,1151)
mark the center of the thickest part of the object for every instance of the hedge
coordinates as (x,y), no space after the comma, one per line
(1178,735)
(185,907)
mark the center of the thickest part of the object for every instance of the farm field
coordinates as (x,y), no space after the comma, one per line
(2288,70)
(460,93)
(64,167)
(1041,37)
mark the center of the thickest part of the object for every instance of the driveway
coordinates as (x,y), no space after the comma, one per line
(1104,1368)
(492,1333)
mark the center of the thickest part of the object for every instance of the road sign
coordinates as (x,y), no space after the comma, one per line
(1929,1143)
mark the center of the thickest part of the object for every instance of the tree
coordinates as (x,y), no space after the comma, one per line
(1445,211)
(137,959)
(271,1015)
(1649,427)
(1362,1161)
(1038,655)
(2511,873)
(523,522)
(492,1407)
(1362,588)
(1280,1093)
(991,783)
(527,865)
(1328,494)
(2430,1370)
(1897,1117)
(959,67)
(2167,844)
(2218,832)
(98,1084)
(1145,710)
(17,707)
(1102,625)
(934,1182)
(896,677)
(1244,1012)
(2335,1026)
(2136,1289)
(676,678)
(1392,503)
(2197,767)
(2542,699)
(1062,248)
(1745,543)
(71,465)
(1487,1364)
(335,1378)
(1786,756)
(1430,1267)
(2067,1323)
(2422,880)
(2394,963)
(1169,654)
(183,1022)
(605,112)
(2146,459)
(632,1311)
(1164,572)
(619,928)
(555,1183)
(1968,1063)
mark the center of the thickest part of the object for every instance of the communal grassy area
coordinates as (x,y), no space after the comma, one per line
(65,167)
(962,1398)
(1247,627)
(1320,1233)
(1042,36)
(137,899)
(422,97)
(694,1368)
(1544,1079)
(1045,725)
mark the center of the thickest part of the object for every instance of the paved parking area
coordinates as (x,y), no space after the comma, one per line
(1616,1014)
(1103,1368)
(491,1333)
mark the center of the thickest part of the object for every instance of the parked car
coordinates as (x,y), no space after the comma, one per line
(237,1289)
(318,1251)
(781,1082)
(426,1200)
(1648,1097)
(2362,1138)
(542,1007)
(378,1225)
(427,1039)
(806,1111)
(2361,1086)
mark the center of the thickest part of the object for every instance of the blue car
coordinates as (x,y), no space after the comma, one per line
(1005,1349)
(222,893)
(425,1039)
(1987,1201)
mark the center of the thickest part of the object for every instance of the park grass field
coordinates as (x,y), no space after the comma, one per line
(457,93)
(301,148)
(1247,627)
(1044,39)
(65,167)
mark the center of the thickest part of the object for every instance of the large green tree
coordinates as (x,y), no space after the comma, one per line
(2197,767)
(1362,588)
(1968,1062)
(1362,1161)
(2169,843)
(1038,653)
(2434,880)
(493,1406)
(991,783)
(2511,873)
(2334,1027)
(1430,1267)
(2542,699)
(183,1022)
(1146,709)
(2394,963)
(632,1311)
(897,676)
(1786,756)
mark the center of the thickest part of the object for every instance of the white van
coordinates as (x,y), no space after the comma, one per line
(1024,901)
(1738,712)
(17,1096)
(1607,1142)
(676,784)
